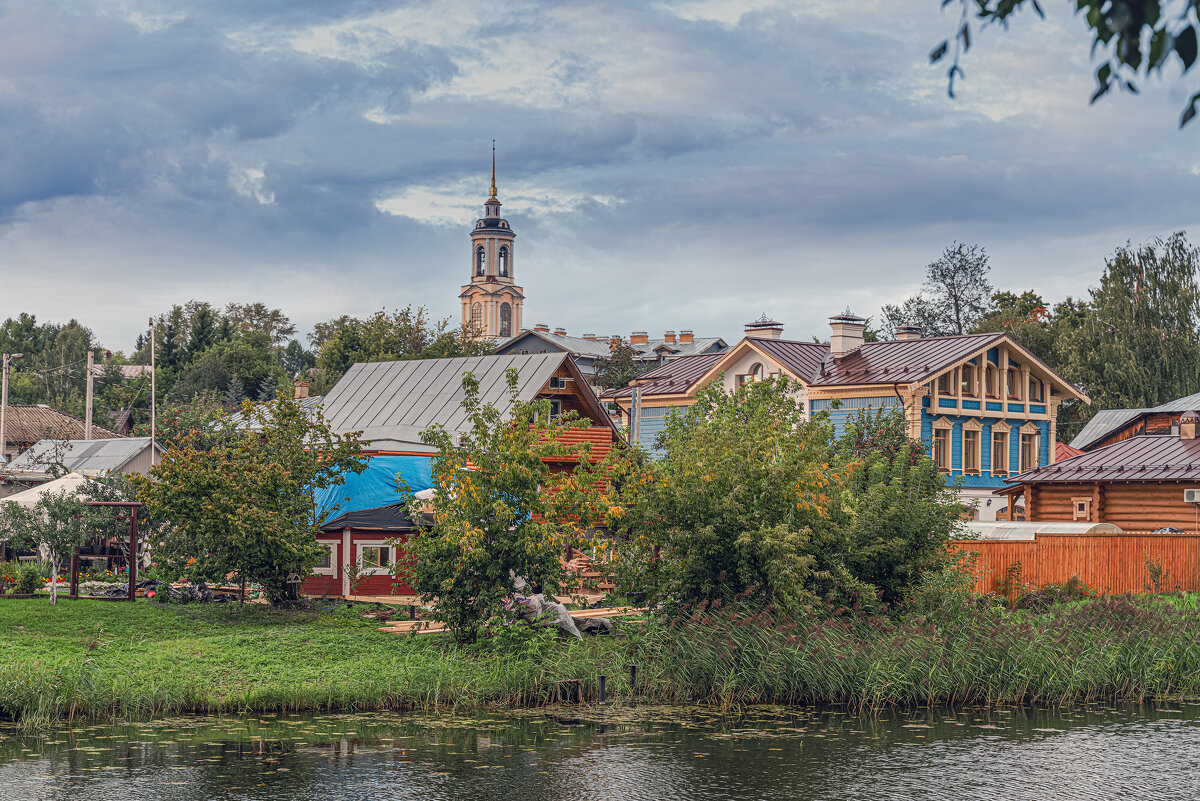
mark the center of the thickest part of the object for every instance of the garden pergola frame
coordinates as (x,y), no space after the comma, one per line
(133,543)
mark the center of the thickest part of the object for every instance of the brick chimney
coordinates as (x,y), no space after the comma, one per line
(669,337)
(764,328)
(907,333)
(686,337)
(639,338)
(848,332)
(1187,425)
(541,328)
(591,337)
(562,332)
(300,390)
(614,341)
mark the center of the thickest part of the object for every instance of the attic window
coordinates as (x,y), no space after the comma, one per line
(557,382)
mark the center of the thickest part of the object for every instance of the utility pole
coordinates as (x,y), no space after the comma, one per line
(153,395)
(5,362)
(87,415)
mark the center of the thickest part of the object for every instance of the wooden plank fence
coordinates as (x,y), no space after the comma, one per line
(1110,563)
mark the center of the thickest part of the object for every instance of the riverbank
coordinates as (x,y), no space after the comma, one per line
(109,660)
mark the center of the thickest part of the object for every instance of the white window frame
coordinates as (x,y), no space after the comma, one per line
(374,571)
(332,570)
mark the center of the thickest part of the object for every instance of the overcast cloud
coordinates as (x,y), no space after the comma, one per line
(665,165)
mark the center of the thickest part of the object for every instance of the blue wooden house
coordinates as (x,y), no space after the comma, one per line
(986,406)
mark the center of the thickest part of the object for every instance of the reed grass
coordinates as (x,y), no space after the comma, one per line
(91,659)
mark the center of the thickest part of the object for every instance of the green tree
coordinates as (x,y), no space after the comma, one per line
(618,368)
(1139,343)
(956,294)
(742,498)
(260,317)
(245,505)
(499,511)
(387,336)
(199,420)
(202,333)
(1137,38)
(900,513)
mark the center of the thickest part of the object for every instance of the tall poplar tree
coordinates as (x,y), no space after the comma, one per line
(1139,344)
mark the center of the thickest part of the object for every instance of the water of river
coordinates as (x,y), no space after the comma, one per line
(658,754)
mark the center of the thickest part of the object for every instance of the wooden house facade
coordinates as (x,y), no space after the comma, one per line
(1145,482)
(985,405)
(391,403)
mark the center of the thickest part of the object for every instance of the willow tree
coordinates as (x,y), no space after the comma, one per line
(1139,344)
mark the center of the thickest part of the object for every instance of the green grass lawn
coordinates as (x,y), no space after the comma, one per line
(100,659)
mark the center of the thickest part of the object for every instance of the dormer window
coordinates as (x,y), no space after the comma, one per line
(1014,384)
(989,380)
(503,261)
(480,261)
(945,383)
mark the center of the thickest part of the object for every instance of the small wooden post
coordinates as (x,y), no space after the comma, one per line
(133,558)
(75,574)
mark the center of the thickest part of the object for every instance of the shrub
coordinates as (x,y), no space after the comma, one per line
(29,578)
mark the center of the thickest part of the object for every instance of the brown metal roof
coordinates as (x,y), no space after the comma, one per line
(1143,458)
(901,361)
(803,359)
(26,424)
(674,377)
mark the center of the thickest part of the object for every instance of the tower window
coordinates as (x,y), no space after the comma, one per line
(476,315)
(505,318)
(504,260)
(480,260)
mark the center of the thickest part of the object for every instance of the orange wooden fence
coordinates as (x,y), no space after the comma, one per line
(1110,563)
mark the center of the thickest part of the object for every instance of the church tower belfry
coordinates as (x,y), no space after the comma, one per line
(491,301)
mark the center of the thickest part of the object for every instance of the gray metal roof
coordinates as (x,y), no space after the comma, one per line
(1107,421)
(90,457)
(1103,423)
(309,405)
(391,403)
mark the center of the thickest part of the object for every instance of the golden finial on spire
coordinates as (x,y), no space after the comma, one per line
(492,193)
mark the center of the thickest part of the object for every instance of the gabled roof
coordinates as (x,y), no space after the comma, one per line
(1108,421)
(902,361)
(90,457)
(391,403)
(1148,457)
(890,362)
(30,423)
(309,405)
(673,378)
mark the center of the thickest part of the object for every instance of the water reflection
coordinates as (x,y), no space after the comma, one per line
(629,755)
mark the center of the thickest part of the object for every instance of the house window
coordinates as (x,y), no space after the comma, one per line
(325,567)
(1014,384)
(1082,508)
(375,556)
(505,319)
(1029,451)
(480,260)
(556,408)
(1037,390)
(971,452)
(557,383)
(941,449)
(999,453)
(945,383)
(990,382)
(504,260)
(968,380)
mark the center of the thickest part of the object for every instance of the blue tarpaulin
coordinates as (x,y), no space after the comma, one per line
(376,487)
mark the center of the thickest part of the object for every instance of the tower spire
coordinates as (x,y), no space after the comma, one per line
(492,193)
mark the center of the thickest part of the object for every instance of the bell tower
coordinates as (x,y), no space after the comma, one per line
(491,302)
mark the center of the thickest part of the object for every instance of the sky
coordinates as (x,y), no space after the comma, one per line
(687,164)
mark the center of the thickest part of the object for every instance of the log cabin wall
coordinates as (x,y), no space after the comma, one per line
(1109,563)
(1131,506)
